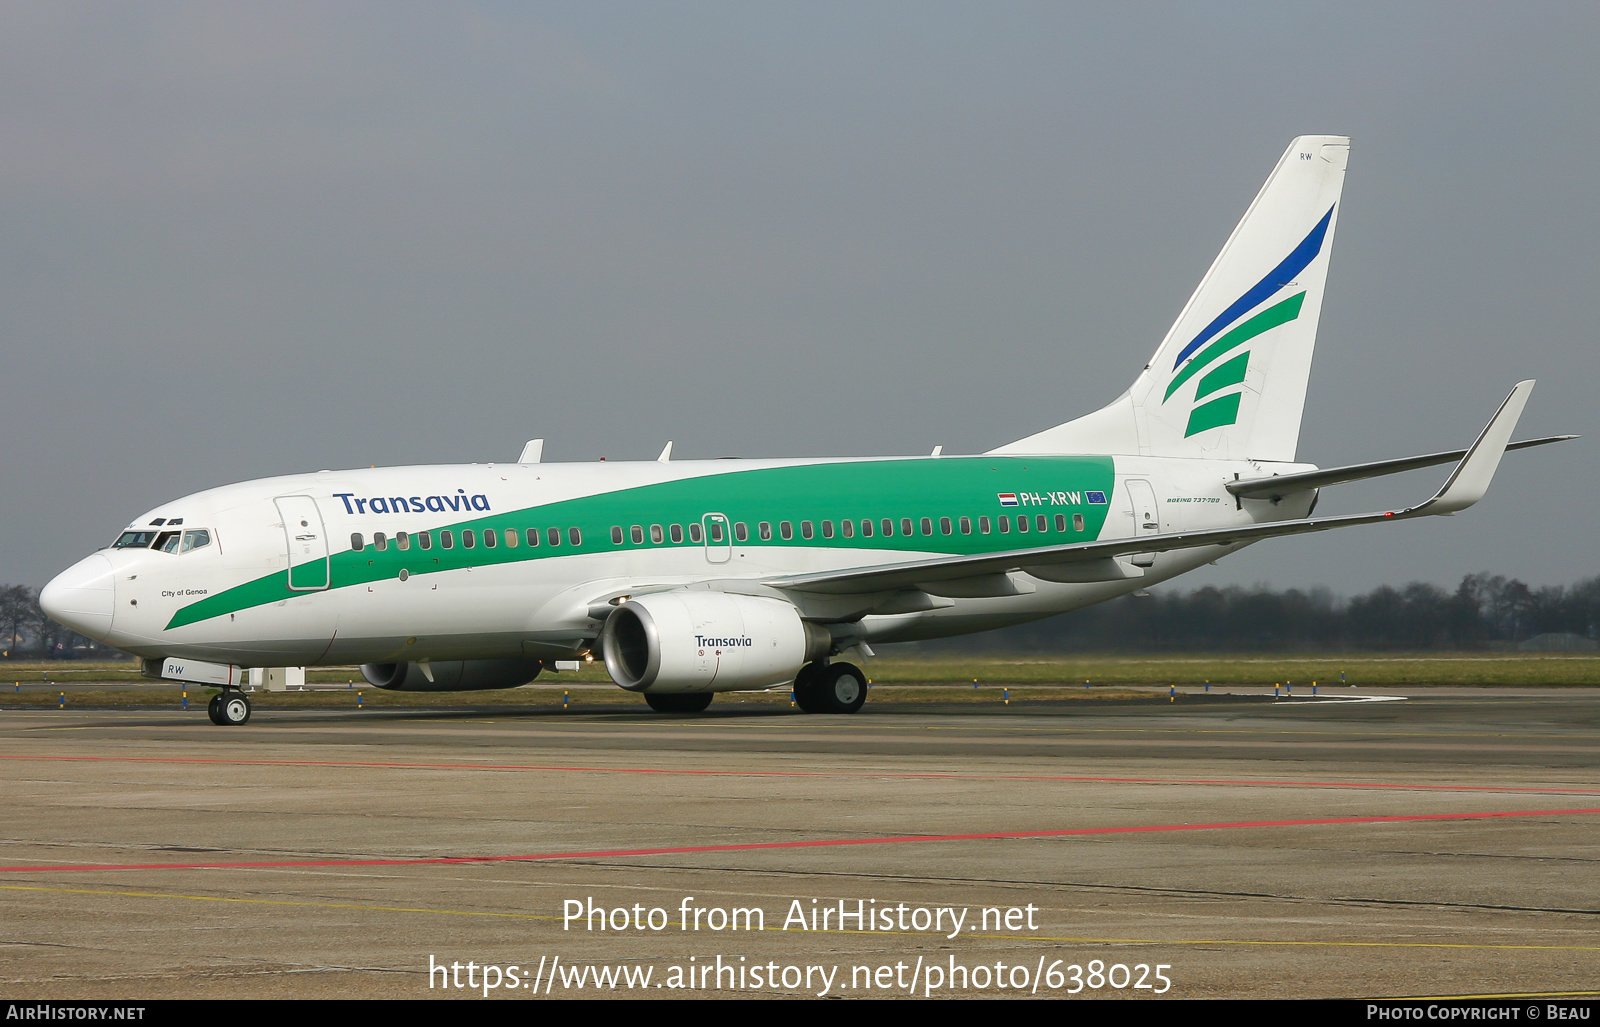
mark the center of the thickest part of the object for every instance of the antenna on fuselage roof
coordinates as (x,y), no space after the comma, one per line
(532,453)
(937,451)
(666,453)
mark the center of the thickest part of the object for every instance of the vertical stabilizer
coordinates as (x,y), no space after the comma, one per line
(1229,379)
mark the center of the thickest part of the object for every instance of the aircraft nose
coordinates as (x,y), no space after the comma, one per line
(82,597)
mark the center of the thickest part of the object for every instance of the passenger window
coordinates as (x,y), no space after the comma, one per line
(657,536)
(469,538)
(637,534)
(983,525)
(1077,522)
(716,531)
(1042,522)
(827,529)
(1061,522)
(866,528)
(944,525)
(927,525)
(677,532)
(425,539)
(195,539)
(447,539)
(740,533)
(805,529)
(847,529)
(1005,524)
(966,525)
(616,534)
(489,538)
(785,530)
(511,537)
(888,528)
(402,540)
(694,532)
(167,541)
(765,531)
(905,526)
(575,536)
(357,543)
(532,535)
(554,535)
(380,542)
(1022,522)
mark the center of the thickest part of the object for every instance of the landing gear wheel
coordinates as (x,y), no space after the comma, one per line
(214,709)
(841,688)
(808,688)
(678,702)
(233,709)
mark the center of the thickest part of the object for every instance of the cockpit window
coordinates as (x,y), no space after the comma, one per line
(195,538)
(168,541)
(134,540)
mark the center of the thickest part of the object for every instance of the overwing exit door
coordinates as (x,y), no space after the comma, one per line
(306,542)
(719,537)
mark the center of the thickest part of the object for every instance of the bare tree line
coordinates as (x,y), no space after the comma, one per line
(1484,611)
(26,633)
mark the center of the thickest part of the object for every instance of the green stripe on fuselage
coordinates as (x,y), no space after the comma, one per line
(1272,317)
(858,490)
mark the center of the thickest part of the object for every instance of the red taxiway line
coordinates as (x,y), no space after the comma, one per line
(819,843)
(1085,779)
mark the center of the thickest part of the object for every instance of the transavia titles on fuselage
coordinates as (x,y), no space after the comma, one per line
(694,577)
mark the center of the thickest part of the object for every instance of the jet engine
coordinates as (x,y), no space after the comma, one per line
(694,641)
(451,675)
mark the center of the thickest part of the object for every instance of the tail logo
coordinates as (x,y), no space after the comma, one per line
(1217,340)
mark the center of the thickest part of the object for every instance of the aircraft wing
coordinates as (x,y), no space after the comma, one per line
(1465,486)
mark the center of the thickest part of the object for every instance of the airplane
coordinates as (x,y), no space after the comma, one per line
(692,577)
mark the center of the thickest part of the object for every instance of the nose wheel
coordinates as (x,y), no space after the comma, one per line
(229,708)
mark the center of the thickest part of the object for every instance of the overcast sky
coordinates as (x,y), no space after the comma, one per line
(239,240)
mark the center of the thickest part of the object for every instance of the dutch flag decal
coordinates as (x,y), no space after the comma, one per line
(1008,499)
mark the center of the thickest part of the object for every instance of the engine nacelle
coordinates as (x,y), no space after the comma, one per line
(451,675)
(693,641)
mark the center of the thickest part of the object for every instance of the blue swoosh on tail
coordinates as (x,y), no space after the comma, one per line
(1276,279)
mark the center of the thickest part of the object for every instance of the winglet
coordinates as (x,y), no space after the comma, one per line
(1470,480)
(532,453)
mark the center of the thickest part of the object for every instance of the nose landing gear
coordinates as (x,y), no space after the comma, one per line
(228,708)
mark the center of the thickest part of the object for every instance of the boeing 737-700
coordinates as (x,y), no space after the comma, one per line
(690,578)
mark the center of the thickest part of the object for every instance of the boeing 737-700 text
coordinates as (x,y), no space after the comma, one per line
(695,577)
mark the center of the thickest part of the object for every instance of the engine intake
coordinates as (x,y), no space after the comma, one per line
(707,642)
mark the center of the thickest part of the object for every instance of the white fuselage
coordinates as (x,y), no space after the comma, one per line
(504,603)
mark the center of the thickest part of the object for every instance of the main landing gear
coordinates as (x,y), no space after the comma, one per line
(229,707)
(678,702)
(830,688)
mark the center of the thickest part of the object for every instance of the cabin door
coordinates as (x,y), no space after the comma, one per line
(307,542)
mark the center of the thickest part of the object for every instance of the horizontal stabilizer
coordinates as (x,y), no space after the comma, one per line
(1280,485)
